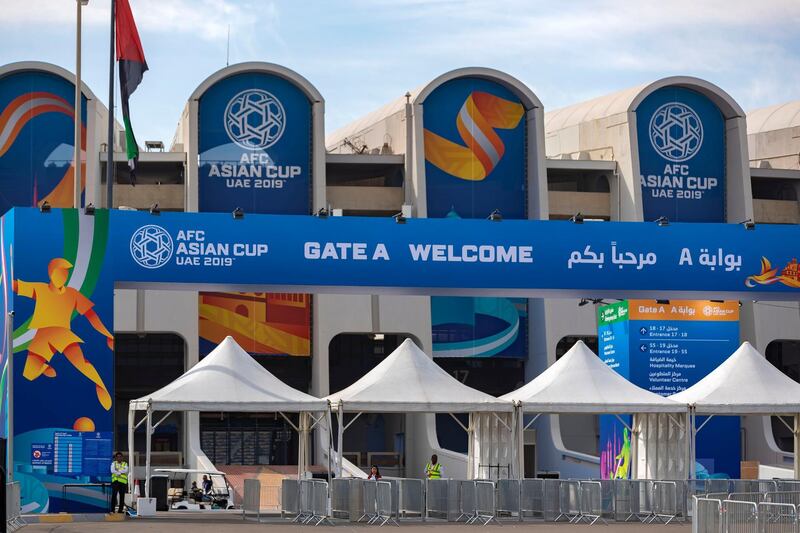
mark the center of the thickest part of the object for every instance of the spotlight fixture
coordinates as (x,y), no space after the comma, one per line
(322,213)
(662,221)
(45,207)
(662,302)
(154,210)
(238,213)
(399,218)
(577,218)
(748,224)
(583,302)
(495,216)
(89,209)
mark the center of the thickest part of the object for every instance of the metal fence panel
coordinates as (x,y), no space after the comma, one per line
(531,497)
(384,510)
(552,499)
(508,497)
(411,497)
(591,506)
(783,497)
(755,497)
(369,491)
(319,502)
(632,500)
(707,516)
(569,501)
(340,497)
(740,517)
(665,501)
(485,502)
(290,497)
(466,501)
(251,500)
(436,498)
(14,520)
(777,518)
(787,485)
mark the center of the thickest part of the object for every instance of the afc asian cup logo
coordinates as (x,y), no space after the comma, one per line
(708,310)
(151,246)
(254,119)
(676,132)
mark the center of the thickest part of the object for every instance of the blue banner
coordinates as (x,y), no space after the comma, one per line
(254,133)
(37,137)
(681,138)
(474,164)
(666,347)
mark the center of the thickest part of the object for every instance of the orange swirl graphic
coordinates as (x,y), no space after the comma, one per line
(22,110)
(479,116)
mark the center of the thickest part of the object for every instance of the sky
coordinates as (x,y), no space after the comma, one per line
(361,54)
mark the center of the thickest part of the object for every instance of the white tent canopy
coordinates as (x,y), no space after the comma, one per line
(227,379)
(579,382)
(744,384)
(408,380)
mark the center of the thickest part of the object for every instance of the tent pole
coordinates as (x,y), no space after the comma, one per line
(634,468)
(340,439)
(797,446)
(471,447)
(131,462)
(301,449)
(329,431)
(147,452)
(687,444)
(520,443)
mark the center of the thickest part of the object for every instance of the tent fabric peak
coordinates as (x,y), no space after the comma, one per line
(408,380)
(745,383)
(228,379)
(580,382)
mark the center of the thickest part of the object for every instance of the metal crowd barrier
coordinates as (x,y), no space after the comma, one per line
(466,501)
(508,497)
(369,498)
(290,497)
(340,497)
(569,501)
(14,520)
(251,500)
(485,503)
(591,509)
(319,503)
(783,497)
(305,510)
(740,517)
(632,500)
(777,517)
(755,497)
(384,510)
(665,501)
(436,497)
(410,498)
(707,515)
(531,498)
(787,485)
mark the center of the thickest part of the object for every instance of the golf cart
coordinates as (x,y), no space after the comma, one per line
(182,497)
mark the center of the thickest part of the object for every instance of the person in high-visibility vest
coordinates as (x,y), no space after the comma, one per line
(433,470)
(119,482)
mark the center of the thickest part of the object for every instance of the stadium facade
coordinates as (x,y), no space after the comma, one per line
(470,143)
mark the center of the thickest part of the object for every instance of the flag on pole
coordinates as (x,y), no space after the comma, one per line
(132,67)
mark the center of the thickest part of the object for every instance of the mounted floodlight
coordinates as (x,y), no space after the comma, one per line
(495,216)
(238,213)
(577,218)
(45,207)
(399,218)
(662,221)
(322,213)
(154,210)
(583,302)
(89,209)
(662,302)
(749,224)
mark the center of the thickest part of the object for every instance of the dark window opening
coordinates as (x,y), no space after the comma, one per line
(579,432)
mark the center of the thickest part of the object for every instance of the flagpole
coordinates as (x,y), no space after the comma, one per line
(76,175)
(110,142)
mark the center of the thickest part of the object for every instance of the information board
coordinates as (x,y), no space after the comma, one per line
(665,347)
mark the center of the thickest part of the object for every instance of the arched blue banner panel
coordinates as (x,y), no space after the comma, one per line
(59,269)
